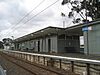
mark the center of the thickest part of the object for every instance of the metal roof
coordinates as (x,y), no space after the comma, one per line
(77,29)
(49,31)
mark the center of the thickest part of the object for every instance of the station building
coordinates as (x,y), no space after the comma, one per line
(91,33)
(62,40)
(50,39)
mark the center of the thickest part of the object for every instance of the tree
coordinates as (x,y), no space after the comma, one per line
(7,41)
(1,45)
(91,7)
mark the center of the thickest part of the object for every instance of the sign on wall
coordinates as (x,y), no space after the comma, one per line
(87,28)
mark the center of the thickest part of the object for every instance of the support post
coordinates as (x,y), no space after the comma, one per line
(60,63)
(44,60)
(88,68)
(72,66)
(33,58)
(38,59)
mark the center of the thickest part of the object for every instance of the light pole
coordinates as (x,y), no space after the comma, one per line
(63,17)
(87,27)
(13,47)
(12,37)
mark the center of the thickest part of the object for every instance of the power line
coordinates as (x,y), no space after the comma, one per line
(31,11)
(26,16)
(41,12)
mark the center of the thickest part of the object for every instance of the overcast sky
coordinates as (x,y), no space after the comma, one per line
(12,11)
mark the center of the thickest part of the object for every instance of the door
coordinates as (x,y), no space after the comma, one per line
(38,46)
(49,45)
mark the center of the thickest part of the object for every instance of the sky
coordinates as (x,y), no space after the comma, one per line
(12,11)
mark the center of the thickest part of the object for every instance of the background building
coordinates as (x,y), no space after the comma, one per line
(62,40)
(50,39)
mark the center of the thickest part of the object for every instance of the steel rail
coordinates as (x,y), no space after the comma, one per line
(72,60)
(56,72)
(19,65)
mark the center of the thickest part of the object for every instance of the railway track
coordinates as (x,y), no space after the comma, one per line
(35,69)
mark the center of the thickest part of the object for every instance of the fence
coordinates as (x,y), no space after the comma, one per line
(76,65)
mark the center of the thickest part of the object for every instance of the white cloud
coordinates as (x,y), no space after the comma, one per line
(11,11)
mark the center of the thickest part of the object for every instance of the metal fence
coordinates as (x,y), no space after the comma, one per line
(76,65)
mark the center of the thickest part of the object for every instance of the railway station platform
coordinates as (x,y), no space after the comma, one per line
(74,55)
(16,66)
(48,64)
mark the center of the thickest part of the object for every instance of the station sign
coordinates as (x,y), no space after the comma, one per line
(87,28)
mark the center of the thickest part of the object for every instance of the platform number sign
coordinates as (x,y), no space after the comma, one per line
(86,28)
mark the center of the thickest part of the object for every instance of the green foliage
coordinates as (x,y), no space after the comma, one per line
(1,45)
(7,41)
(92,8)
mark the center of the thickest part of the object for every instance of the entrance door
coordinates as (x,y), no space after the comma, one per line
(38,46)
(49,45)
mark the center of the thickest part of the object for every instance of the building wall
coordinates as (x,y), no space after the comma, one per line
(43,47)
(69,44)
(16,46)
(54,44)
(44,44)
(92,44)
(61,45)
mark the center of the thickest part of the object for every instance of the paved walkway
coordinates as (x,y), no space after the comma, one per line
(76,55)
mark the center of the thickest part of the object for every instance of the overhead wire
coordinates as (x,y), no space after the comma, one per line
(26,16)
(40,12)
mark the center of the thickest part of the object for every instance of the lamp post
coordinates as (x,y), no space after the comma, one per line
(85,30)
(63,16)
(13,47)
(12,37)
(87,27)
